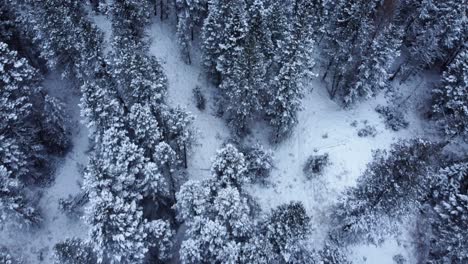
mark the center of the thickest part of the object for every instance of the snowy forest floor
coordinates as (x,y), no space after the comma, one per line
(323,127)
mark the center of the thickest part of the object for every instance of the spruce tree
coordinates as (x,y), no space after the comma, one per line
(360,44)
(450,102)
(394,184)
(67,39)
(118,178)
(217,214)
(450,221)
(432,42)
(190,15)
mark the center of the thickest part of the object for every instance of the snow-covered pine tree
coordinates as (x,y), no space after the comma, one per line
(74,251)
(240,98)
(138,77)
(22,101)
(213,36)
(67,39)
(393,185)
(129,18)
(218,216)
(285,227)
(100,106)
(293,61)
(450,223)
(190,15)
(450,98)
(229,167)
(118,178)
(360,45)
(14,206)
(432,42)
(54,128)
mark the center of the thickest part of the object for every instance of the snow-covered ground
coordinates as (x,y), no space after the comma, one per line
(36,245)
(324,127)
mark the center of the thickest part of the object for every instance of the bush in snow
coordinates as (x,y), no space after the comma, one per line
(74,251)
(199,98)
(393,117)
(399,259)
(315,165)
(73,205)
(367,131)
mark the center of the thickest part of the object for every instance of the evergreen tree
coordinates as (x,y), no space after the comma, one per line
(394,184)
(129,18)
(293,62)
(360,45)
(190,14)
(54,130)
(14,207)
(22,102)
(118,178)
(450,103)
(432,42)
(216,213)
(67,39)
(450,221)
(74,251)
(286,226)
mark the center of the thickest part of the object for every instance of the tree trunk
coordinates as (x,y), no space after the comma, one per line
(161,8)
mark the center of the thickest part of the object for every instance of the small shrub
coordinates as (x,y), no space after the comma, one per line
(315,165)
(73,205)
(399,259)
(199,98)
(367,131)
(394,118)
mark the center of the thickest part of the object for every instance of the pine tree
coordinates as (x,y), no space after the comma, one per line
(229,167)
(361,42)
(432,42)
(54,128)
(22,102)
(139,78)
(450,223)
(285,227)
(14,207)
(190,14)
(74,251)
(129,18)
(450,103)
(68,40)
(394,184)
(118,178)
(216,213)
(293,63)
